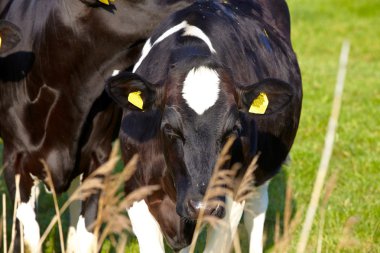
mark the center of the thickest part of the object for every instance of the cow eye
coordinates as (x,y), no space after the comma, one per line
(171,133)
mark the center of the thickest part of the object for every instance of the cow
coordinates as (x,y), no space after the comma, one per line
(52,101)
(212,71)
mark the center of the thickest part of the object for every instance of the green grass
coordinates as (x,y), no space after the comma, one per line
(318,29)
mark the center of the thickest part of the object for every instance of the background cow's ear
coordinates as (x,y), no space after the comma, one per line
(131,92)
(10,36)
(265,97)
(95,3)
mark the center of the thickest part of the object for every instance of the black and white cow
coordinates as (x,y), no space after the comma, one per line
(52,100)
(213,70)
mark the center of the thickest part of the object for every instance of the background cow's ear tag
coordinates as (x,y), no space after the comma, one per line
(259,104)
(105,2)
(135,99)
(0,41)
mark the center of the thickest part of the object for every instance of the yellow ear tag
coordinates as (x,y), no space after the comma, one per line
(135,99)
(259,104)
(0,41)
(105,2)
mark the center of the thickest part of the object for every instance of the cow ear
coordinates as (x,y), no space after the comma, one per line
(132,92)
(10,36)
(265,97)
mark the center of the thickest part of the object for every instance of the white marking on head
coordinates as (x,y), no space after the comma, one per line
(146,228)
(190,30)
(27,217)
(201,89)
(85,241)
(148,45)
(194,31)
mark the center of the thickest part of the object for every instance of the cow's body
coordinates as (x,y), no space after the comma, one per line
(191,89)
(52,104)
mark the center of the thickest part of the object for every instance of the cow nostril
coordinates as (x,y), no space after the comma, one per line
(218,211)
(195,207)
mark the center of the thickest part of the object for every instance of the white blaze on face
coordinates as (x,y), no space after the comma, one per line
(201,89)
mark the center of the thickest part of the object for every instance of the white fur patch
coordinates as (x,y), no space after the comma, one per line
(189,31)
(26,215)
(201,89)
(194,31)
(146,228)
(115,72)
(84,240)
(148,45)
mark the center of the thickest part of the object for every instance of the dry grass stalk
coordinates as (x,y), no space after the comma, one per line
(50,183)
(245,190)
(89,186)
(277,229)
(113,202)
(4,223)
(330,185)
(120,247)
(16,204)
(237,246)
(347,240)
(283,242)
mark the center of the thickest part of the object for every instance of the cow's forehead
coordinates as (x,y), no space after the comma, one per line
(201,89)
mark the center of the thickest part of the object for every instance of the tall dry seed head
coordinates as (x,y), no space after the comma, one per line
(112,217)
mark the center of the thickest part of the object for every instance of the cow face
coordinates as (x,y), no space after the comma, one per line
(199,109)
(9,36)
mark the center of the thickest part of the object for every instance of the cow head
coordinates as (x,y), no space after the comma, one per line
(198,108)
(10,36)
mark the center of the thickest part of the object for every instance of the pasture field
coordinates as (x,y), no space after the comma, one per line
(352,215)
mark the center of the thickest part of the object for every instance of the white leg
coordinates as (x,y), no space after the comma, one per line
(74,210)
(85,241)
(146,228)
(220,239)
(254,218)
(27,217)
(185,250)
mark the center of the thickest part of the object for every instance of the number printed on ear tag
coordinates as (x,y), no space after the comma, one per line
(259,104)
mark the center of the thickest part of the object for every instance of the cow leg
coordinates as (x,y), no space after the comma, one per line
(27,217)
(29,191)
(254,218)
(146,228)
(219,239)
(75,210)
